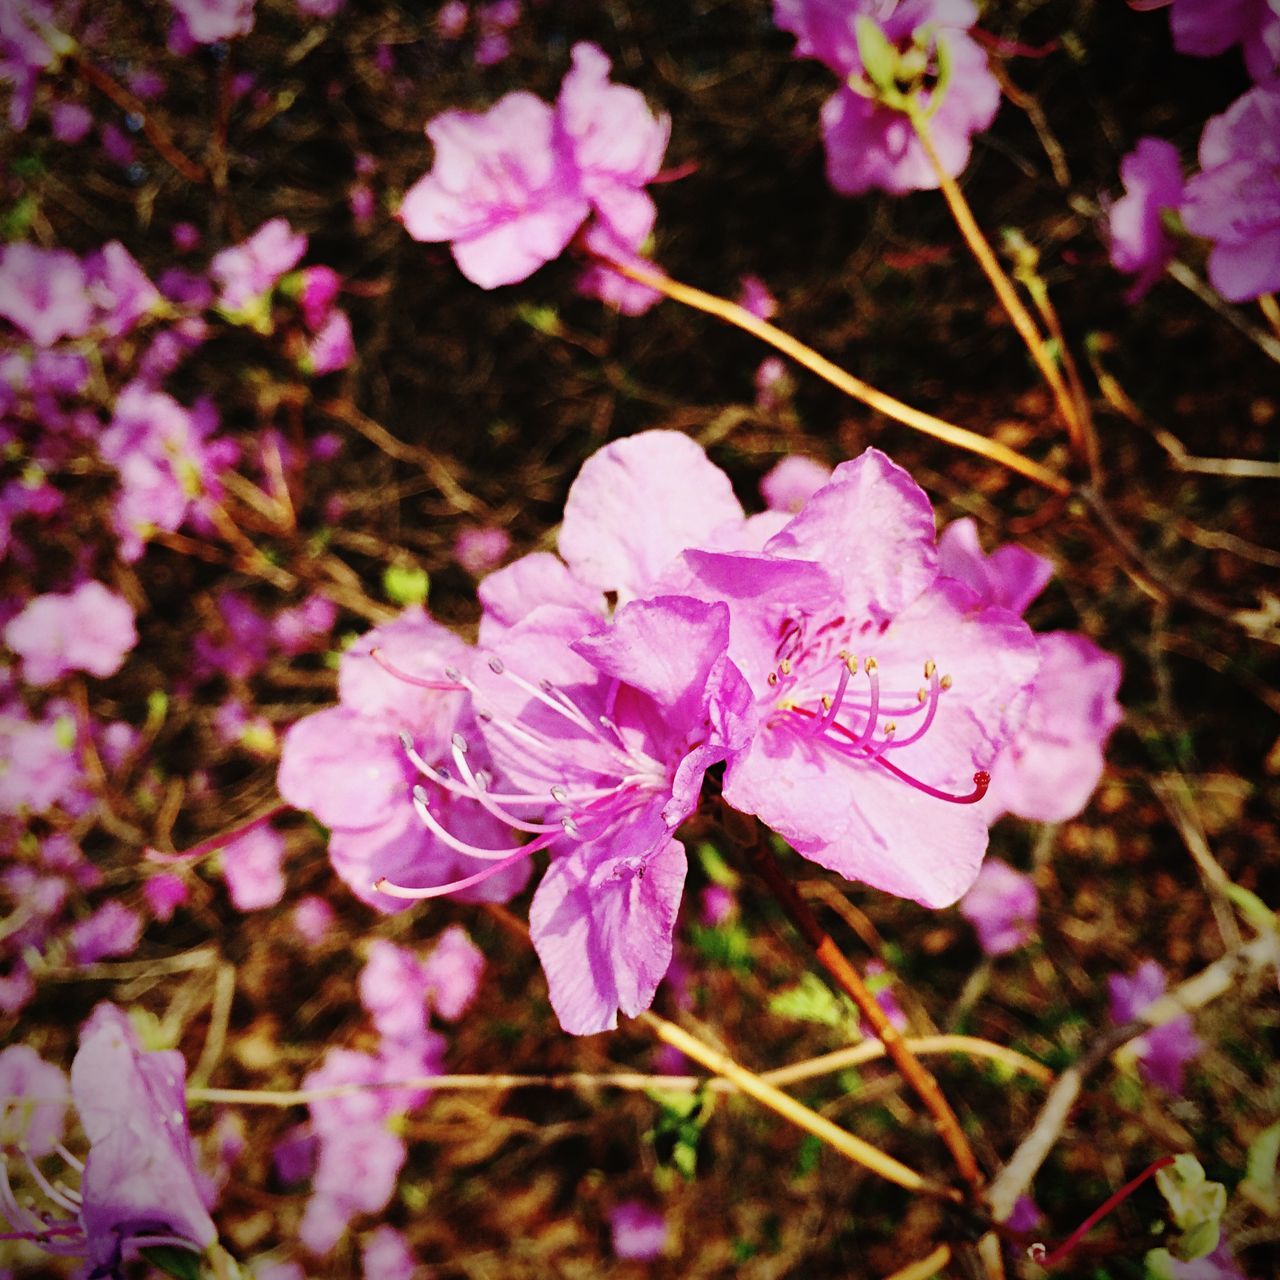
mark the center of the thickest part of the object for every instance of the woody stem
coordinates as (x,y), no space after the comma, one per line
(847,978)
(841,379)
(1004,289)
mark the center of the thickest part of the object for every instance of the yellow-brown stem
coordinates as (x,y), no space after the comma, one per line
(841,379)
(1003,287)
(833,960)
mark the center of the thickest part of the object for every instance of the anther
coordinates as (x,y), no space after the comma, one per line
(851,664)
(452,673)
(773,678)
(459,743)
(929,668)
(922,695)
(870,665)
(496,665)
(785,666)
(826,702)
(570,827)
(945,682)
(558,793)
(406,739)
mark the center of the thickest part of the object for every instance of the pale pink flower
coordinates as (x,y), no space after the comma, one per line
(90,629)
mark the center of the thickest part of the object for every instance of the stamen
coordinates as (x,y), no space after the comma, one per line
(383,885)
(451,685)
(832,704)
(57,1194)
(487,802)
(430,821)
(872,668)
(932,697)
(981,781)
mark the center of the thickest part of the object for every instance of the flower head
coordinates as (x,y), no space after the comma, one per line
(1164,1051)
(1140,245)
(1235,200)
(44,292)
(639,1231)
(89,629)
(1002,907)
(208,21)
(1205,28)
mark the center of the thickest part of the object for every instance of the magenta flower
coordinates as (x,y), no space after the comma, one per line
(44,292)
(348,767)
(1205,28)
(884,691)
(119,288)
(393,989)
(29,44)
(386,1255)
(869,140)
(41,763)
(1002,906)
(112,930)
(89,629)
(138,1185)
(1235,199)
(639,1231)
(69,121)
(251,867)
(331,347)
(208,21)
(164,894)
(1164,1051)
(481,550)
(1054,759)
(247,272)
(754,295)
(313,918)
(501,191)
(1140,245)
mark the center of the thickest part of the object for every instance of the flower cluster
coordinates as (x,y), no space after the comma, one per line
(512,186)
(862,687)
(894,59)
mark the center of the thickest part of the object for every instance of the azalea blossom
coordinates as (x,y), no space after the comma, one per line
(1002,907)
(44,292)
(1234,200)
(139,1185)
(1140,245)
(1206,28)
(89,629)
(869,139)
(1164,1051)
(1054,758)
(511,186)
(248,271)
(639,1231)
(207,21)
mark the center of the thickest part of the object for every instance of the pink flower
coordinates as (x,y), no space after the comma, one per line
(298,628)
(1140,245)
(869,140)
(208,21)
(480,550)
(1053,761)
(44,292)
(386,1256)
(884,691)
(393,989)
(717,905)
(89,629)
(69,121)
(452,972)
(322,9)
(251,867)
(1208,27)
(164,894)
(29,44)
(34,1097)
(756,298)
(1002,907)
(639,1231)
(121,293)
(318,289)
(1235,199)
(313,918)
(451,20)
(792,482)
(1165,1050)
(112,930)
(248,271)
(501,192)
(43,763)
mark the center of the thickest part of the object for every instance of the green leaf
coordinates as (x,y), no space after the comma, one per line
(1192,1199)
(173,1261)
(879,57)
(811,1000)
(1199,1242)
(1255,911)
(405,585)
(943,54)
(1259,1185)
(728,945)
(715,868)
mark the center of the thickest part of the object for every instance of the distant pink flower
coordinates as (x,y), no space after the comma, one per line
(34,1097)
(89,629)
(332,347)
(117,146)
(208,21)
(492,48)
(639,1231)
(120,290)
(1011,576)
(868,142)
(44,292)
(755,296)
(1209,27)
(164,894)
(1002,907)
(318,289)
(792,482)
(393,989)
(881,987)
(500,191)
(251,867)
(1235,200)
(716,905)
(112,930)
(772,383)
(1140,245)
(386,1255)
(249,270)
(186,236)
(43,762)
(480,550)
(313,918)
(301,626)
(453,971)
(451,20)
(321,9)
(28,40)
(69,121)
(1164,1051)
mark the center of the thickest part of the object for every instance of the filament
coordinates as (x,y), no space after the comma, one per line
(443,686)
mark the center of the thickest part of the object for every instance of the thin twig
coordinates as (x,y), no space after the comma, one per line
(927,1266)
(841,379)
(1188,279)
(1221,976)
(850,982)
